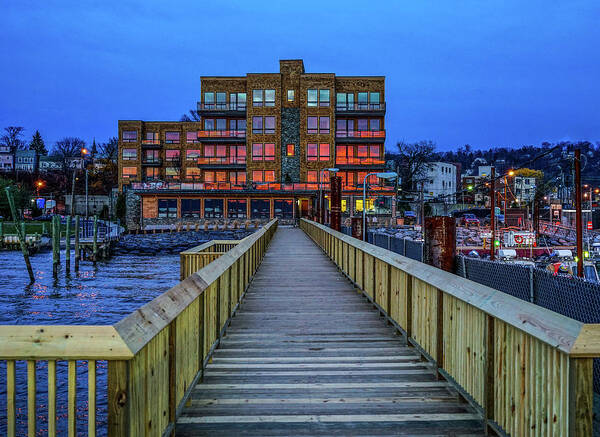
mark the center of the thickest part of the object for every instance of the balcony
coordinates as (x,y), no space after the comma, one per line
(360,136)
(176,162)
(233,162)
(222,135)
(151,144)
(360,108)
(250,187)
(152,162)
(358,162)
(222,109)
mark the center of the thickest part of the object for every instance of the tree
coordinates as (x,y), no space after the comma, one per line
(21,194)
(193,116)
(110,150)
(12,138)
(414,160)
(120,207)
(65,150)
(529,173)
(94,150)
(37,144)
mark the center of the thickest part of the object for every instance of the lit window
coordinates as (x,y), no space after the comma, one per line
(171,137)
(290,95)
(129,172)
(323,97)
(290,150)
(129,154)
(312,99)
(129,136)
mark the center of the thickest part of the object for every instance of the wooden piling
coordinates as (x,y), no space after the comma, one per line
(95,241)
(22,243)
(55,245)
(77,254)
(68,246)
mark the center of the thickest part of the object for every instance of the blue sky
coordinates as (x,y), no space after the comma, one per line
(486,73)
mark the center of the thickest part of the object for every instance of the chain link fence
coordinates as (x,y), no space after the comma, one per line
(570,296)
(402,246)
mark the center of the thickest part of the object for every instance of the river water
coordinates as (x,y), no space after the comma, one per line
(97,295)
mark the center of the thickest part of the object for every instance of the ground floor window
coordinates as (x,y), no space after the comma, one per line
(236,208)
(190,208)
(167,208)
(358,205)
(213,208)
(260,209)
(283,208)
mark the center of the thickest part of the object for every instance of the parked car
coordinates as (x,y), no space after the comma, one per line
(469,220)
(499,218)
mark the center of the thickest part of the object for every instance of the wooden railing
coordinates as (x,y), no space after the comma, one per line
(196,258)
(155,355)
(527,369)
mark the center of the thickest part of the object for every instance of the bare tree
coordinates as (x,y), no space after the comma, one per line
(414,160)
(13,138)
(67,149)
(110,150)
(193,116)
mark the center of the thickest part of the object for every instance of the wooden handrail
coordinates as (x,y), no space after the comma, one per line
(155,355)
(527,369)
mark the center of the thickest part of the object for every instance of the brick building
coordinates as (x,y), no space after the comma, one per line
(262,147)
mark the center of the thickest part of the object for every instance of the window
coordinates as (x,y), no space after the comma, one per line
(192,155)
(290,150)
(344,154)
(374,100)
(344,101)
(312,176)
(167,208)
(129,154)
(363,100)
(237,124)
(209,100)
(209,176)
(190,208)
(221,101)
(151,156)
(192,137)
(237,154)
(221,124)
(260,208)
(152,173)
(324,125)
(323,97)
(172,173)
(209,124)
(263,152)
(257,125)
(269,97)
(290,95)
(344,128)
(263,176)
(362,124)
(151,138)
(236,208)
(192,173)
(213,208)
(374,124)
(237,101)
(129,136)
(237,177)
(311,125)
(283,208)
(318,152)
(221,176)
(172,137)
(312,98)
(269,125)
(172,155)
(257,97)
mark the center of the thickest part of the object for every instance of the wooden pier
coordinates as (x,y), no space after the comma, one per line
(282,335)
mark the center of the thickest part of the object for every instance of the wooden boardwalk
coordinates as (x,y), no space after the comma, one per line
(308,355)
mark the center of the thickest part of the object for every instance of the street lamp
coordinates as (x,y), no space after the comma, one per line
(332,170)
(388,175)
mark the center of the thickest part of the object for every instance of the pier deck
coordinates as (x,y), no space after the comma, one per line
(307,355)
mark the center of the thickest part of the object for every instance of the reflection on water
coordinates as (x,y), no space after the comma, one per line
(97,295)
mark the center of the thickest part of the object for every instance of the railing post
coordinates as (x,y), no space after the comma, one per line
(581,397)
(439,334)
(409,287)
(490,377)
(118,398)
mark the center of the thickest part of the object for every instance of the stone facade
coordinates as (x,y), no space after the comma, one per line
(290,134)
(133,215)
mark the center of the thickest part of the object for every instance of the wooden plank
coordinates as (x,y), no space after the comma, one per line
(118,398)
(91,398)
(72,398)
(51,398)
(581,397)
(31,401)
(10,398)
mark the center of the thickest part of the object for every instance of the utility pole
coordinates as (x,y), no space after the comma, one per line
(493,213)
(86,194)
(578,213)
(73,193)
(422,208)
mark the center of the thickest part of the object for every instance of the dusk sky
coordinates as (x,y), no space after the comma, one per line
(486,73)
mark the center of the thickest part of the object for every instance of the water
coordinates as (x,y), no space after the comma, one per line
(97,295)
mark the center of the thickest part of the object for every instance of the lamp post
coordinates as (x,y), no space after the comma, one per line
(84,153)
(389,175)
(333,170)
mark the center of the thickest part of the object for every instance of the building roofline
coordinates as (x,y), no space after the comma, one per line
(222,77)
(360,77)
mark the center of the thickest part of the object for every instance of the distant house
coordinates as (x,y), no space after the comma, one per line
(524,189)
(6,159)
(49,164)
(440,182)
(26,160)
